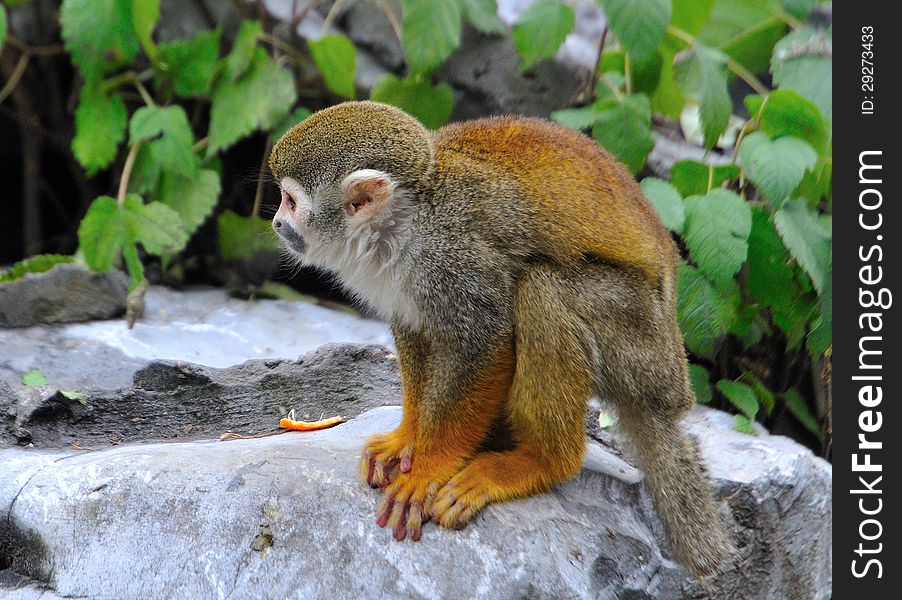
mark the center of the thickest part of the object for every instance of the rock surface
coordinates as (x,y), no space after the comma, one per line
(286,516)
(203,326)
(64,294)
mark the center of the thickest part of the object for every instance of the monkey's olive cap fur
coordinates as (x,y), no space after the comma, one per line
(350,136)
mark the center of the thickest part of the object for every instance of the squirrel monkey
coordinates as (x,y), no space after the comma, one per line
(522,271)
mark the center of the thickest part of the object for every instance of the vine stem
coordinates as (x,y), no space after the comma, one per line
(258,193)
(627,74)
(145,95)
(283,46)
(331,15)
(754,122)
(127,173)
(740,71)
(593,83)
(392,18)
(200,144)
(16,75)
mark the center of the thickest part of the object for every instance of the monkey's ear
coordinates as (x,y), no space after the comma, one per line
(367,191)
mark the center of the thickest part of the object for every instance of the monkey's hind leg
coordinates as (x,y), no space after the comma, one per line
(545,409)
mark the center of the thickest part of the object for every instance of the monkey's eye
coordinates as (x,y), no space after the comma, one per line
(286,198)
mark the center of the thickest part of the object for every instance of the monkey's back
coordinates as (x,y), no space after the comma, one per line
(584,203)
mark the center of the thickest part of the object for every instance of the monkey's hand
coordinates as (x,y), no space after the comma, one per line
(407,500)
(385,455)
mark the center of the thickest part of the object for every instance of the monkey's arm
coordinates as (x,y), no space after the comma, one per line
(463,392)
(387,454)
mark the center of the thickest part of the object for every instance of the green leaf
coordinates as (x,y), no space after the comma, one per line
(298,115)
(172,151)
(541,30)
(34,378)
(700,73)
(701,383)
(258,100)
(145,14)
(667,98)
(100,122)
(610,87)
(803,62)
(624,129)
(744,425)
(809,242)
(136,278)
(765,396)
(191,63)
(716,233)
(776,166)
(741,396)
(691,15)
(430,32)
(821,335)
(746,30)
(156,226)
(483,15)
(99,35)
(431,104)
(704,312)
(79,397)
(638,24)
(101,233)
(244,50)
(667,202)
(40,263)
(579,118)
(335,56)
(800,8)
(796,405)
(606,419)
(193,198)
(771,277)
(242,237)
(787,113)
(3,26)
(693,178)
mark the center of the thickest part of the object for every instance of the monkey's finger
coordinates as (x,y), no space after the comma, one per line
(390,475)
(415,520)
(381,469)
(399,510)
(406,459)
(383,511)
(400,531)
(366,467)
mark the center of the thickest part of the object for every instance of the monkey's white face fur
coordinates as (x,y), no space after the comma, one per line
(358,227)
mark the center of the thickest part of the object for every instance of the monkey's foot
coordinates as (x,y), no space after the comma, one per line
(407,499)
(384,456)
(489,477)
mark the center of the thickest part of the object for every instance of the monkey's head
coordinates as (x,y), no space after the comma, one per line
(347,175)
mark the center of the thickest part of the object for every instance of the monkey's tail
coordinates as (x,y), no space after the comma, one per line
(679,486)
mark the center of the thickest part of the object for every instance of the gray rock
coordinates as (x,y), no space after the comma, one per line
(485,75)
(286,516)
(176,400)
(369,27)
(68,292)
(200,325)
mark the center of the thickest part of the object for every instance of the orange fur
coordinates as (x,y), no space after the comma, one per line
(585,201)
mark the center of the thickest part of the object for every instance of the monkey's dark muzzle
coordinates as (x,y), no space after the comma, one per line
(291,237)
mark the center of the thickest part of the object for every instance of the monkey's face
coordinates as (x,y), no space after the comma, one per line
(339,224)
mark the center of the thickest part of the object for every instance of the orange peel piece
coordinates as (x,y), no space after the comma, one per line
(293,425)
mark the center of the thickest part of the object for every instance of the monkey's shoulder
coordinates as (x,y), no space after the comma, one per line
(518,144)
